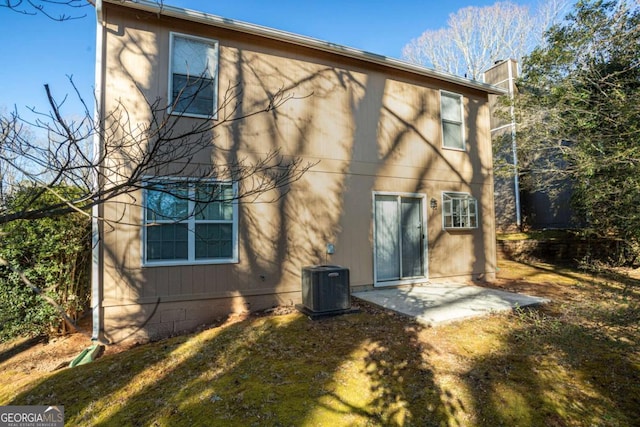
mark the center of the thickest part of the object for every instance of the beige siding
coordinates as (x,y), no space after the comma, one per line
(503,75)
(368,128)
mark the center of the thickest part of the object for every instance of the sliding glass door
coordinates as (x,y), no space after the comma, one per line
(399,238)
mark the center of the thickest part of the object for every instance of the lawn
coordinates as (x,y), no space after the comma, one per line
(573,362)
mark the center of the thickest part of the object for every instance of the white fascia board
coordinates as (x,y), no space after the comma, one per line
(300,40)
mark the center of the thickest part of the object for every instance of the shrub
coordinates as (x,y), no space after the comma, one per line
(54,254)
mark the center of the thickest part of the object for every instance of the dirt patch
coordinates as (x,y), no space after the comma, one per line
(552,291)
(45,355)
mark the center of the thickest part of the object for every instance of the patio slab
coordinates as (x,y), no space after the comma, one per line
(438,303)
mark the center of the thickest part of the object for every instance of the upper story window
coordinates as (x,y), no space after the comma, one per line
(193,76)
(451,112)
(459,210)
(189,222)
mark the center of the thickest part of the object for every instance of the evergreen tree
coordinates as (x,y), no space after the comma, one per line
(578,113)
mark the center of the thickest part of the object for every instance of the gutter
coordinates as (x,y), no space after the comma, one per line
(96,245)
(514,150)
(159,8)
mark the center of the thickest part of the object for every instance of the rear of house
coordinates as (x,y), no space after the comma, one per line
(401,184)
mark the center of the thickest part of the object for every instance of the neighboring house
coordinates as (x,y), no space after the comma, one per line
(402,188)
(517,208)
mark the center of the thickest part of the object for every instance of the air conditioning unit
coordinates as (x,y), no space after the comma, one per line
(325,288)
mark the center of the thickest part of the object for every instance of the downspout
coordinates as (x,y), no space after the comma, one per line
(514,148)
(96,245)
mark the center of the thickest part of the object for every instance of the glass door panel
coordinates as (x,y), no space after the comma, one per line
(412,237)
(387,238)
(399,237)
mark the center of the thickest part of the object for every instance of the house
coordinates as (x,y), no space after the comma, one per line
(508,210)
(517,208)
(401,186)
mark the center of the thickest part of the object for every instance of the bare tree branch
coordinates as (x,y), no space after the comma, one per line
(131,153)
(476,37)
(56,10)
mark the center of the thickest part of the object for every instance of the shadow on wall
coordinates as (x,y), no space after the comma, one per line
(285,229)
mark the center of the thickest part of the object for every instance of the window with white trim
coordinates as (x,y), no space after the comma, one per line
(451,113)
(193,76)
(190,222)
(459,210)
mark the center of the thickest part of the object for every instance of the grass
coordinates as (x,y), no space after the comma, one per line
(574,362)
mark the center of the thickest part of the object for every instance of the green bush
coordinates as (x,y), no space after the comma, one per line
(54,254)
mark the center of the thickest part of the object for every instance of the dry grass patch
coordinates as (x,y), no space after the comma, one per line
(573,362)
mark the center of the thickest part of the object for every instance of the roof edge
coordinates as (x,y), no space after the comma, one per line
(305,41)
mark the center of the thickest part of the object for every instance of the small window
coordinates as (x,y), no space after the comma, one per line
(189,223)
(459,210)
(193,77)
(452,121)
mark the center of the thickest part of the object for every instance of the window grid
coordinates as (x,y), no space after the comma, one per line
(459,210)
(180,229)
(452,119)
(193,76)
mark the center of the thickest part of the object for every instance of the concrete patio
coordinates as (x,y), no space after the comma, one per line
(438,303)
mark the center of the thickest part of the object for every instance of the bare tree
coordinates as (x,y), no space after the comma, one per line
(8,179)
(57,10)
(476,37)
(66,174)
(128,153)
